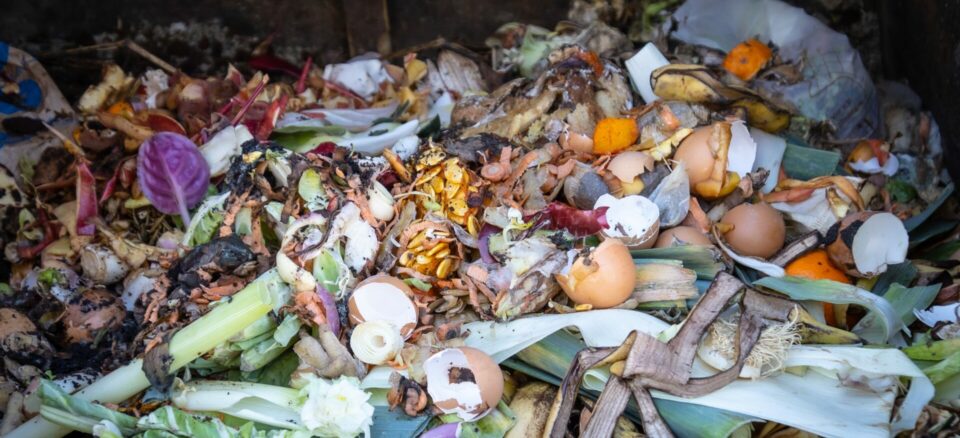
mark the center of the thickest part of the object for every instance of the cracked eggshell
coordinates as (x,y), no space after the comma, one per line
(682,235)
(603,278)
(743,150)
(91,312)
(383,298)
(696,152)
(575,141)
(634,220)
(464,381)
(626,166)
(865,243)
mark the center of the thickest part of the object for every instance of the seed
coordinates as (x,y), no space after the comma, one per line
(417,240)
(437,249)
(444,269)
(473,227)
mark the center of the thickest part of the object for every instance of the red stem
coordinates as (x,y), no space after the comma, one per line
(249,103)
(302,82)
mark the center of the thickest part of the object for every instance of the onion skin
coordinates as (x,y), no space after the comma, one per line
(449,430)
(330,308)
(483,243)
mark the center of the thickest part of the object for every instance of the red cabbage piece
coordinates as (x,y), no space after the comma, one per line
(86,199)
(580,223)
(172,173)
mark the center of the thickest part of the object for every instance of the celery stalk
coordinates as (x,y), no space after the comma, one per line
(202,335)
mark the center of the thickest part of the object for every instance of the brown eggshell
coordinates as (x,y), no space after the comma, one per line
(575,141)
(488,375)
(628,165)
(686,235)
(483,371)
(758,230)
(603,278)
(90,312)
(695,153)
(839,242)
(355,316)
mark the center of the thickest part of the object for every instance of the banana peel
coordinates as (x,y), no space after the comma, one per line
(813,331)
(531,406)
(698,84)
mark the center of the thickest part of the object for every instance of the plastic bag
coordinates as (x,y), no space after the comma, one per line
(35,96)
(835,87)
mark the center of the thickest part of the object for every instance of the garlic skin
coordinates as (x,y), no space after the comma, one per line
(380,201)
(102,265)
(376,342)
(223,147)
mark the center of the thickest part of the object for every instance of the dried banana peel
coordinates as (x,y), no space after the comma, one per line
(698,84)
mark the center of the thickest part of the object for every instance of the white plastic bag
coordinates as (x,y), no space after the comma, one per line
(835,85)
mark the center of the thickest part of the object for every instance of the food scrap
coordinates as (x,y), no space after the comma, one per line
(510,241)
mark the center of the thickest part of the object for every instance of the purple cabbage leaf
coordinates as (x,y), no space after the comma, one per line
(173,173)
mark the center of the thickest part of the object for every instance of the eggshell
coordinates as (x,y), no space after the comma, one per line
(603,278)
(464,381)
(686,235)
(634,220)
(628,165)
(695,153)
(576,141)
(758,230)
(386,298)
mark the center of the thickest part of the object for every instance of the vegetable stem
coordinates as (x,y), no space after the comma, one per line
(212,329)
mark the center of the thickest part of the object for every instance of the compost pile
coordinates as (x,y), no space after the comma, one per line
(726,229)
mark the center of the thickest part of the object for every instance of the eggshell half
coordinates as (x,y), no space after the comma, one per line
(464,381)
(383,298)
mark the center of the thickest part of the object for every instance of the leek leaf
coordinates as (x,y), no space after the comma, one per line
(906,300)
(879,325)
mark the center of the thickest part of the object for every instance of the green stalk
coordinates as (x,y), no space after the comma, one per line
(66,419)
(202,335)
(55,398)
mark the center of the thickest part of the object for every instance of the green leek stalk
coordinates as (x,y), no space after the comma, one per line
(210,330)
